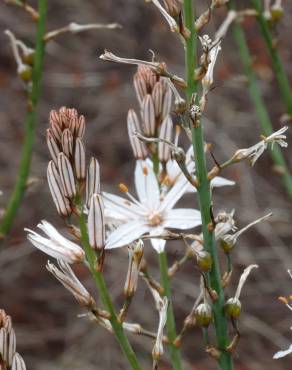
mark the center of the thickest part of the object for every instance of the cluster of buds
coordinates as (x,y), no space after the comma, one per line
(23,55)
(154,95)
(65,143)
(9,358)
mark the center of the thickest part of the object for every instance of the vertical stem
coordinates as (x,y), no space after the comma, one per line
(277,63)
(260,108)
(106,299)
(20,185)
(170,321)
(204,194)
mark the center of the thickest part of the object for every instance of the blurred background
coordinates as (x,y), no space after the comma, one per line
(50,335)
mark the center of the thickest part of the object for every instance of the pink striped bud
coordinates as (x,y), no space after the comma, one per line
(67,142)
(92,180)
(79,159)
(61,202)
(167,102)
(80,130)
(148,115)
(140,87)
(52,145)
(96,226)
(157,96)
(66,176)
(139,148)
(166,133)
(18,362)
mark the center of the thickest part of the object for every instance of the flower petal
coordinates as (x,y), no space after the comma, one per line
(281,354)
(221,181)
(157,244)
(182,218)
(146,185)
(173,196)
(126,234)
(120,208)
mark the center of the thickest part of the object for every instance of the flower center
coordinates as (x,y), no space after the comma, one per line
(154,219)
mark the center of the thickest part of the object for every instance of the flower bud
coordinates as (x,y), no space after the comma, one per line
(18,362)
(139,148)
(79,160)
(92,180)
(233,308)
(67,142)
(52,145)
(66,176)
(96,226)
(203,314)
(166,130)
(148,115)
(204,261)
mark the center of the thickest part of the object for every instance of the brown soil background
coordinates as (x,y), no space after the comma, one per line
(49,333)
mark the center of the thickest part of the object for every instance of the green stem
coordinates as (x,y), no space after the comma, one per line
(170,321)
(105,297)
(277,63)
(204,194)
(20,185)
(261,111)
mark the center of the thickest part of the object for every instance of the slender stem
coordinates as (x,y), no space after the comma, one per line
(204,194)
(33,98)
(105,297)
(260,108)
(170,321)
(277,63)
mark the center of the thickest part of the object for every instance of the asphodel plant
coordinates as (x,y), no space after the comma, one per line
(168,107)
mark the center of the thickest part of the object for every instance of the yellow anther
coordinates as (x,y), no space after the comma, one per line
(283,300)
(123,188)
(145,171)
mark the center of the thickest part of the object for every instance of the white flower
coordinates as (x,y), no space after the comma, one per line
(152,213)
(55,245)
(254,152)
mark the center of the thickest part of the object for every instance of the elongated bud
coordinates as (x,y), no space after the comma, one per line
(79,159)
(66,175)
(139,148)
(157,96)
(18,362)
(52,145)
(148,115)
(166,131)
(67,142)
(203,314)
(80,130)
(61,202)
(56,126)
(92,180)
(135,257)
(96,226)
(140,87)
(167,102)
(7,345)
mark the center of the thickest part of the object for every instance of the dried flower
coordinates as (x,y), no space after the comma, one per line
(254,152)
(135,257)
(207,80)
(158,346)
(233,305)
(55,245)
(171,21)
(66,276)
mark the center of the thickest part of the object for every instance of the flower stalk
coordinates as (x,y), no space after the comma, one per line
(33,98)
(105,297)
(170,320)
(204,196)
(260,108)
(276,60)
